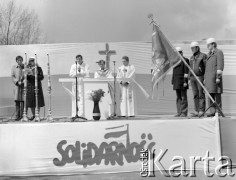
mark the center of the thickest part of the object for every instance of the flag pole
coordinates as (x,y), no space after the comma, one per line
(186,64)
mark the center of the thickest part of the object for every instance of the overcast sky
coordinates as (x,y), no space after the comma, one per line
(126,20)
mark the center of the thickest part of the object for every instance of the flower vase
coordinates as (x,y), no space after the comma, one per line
(96,111)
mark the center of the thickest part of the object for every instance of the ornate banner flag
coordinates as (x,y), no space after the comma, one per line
(164,56)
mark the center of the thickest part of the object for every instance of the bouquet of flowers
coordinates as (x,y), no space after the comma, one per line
(96,95)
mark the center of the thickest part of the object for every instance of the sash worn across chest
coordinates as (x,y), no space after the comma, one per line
(210,55)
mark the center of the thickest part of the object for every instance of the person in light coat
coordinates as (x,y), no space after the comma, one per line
(17,75)
(197,64)
(214,74)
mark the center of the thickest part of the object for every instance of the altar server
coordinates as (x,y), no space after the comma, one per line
(213,74)
(17,76)
(80,69)
(127,101)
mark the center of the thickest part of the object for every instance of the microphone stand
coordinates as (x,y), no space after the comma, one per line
(126,96)
(114,115)
(77,117)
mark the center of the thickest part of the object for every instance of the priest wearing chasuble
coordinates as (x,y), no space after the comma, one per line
(80,69)
(126,73)
(103,72)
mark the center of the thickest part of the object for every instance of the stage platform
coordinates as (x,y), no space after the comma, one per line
(61,119)
(31,150)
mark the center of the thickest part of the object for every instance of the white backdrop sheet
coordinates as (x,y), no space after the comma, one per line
(62,56)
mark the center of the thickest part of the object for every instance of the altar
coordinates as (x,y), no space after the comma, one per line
(90,84)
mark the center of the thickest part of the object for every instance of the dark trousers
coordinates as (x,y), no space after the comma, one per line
(182,101)
(217,98)
(198,94)
(19,109)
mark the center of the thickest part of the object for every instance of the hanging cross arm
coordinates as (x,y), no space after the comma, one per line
(102,52)
(112,52)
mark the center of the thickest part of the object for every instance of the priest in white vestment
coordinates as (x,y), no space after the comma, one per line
(80,69)
(127,101)
(103,72)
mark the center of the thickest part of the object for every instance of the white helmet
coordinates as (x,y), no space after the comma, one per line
(32,58)
(194,44)
(210,40)
(179,49)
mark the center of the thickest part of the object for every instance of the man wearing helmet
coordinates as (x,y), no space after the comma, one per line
(197,63)
(213,74)
(180,85)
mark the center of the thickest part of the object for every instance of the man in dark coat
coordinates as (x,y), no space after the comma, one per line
(197,64)
(180,84)
(17,76)
(30,98)
(213,74)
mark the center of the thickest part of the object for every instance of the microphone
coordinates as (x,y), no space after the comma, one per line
(79,69)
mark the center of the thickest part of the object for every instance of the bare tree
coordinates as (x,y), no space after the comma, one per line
(18,25)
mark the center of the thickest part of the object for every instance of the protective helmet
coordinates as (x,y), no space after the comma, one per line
(210,40)
(179,49)
(194,44)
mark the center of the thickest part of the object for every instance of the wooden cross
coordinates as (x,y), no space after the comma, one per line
(108,53)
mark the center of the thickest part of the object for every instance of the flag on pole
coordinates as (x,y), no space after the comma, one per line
(164,56)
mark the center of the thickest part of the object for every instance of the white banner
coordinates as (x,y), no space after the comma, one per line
(102,147)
